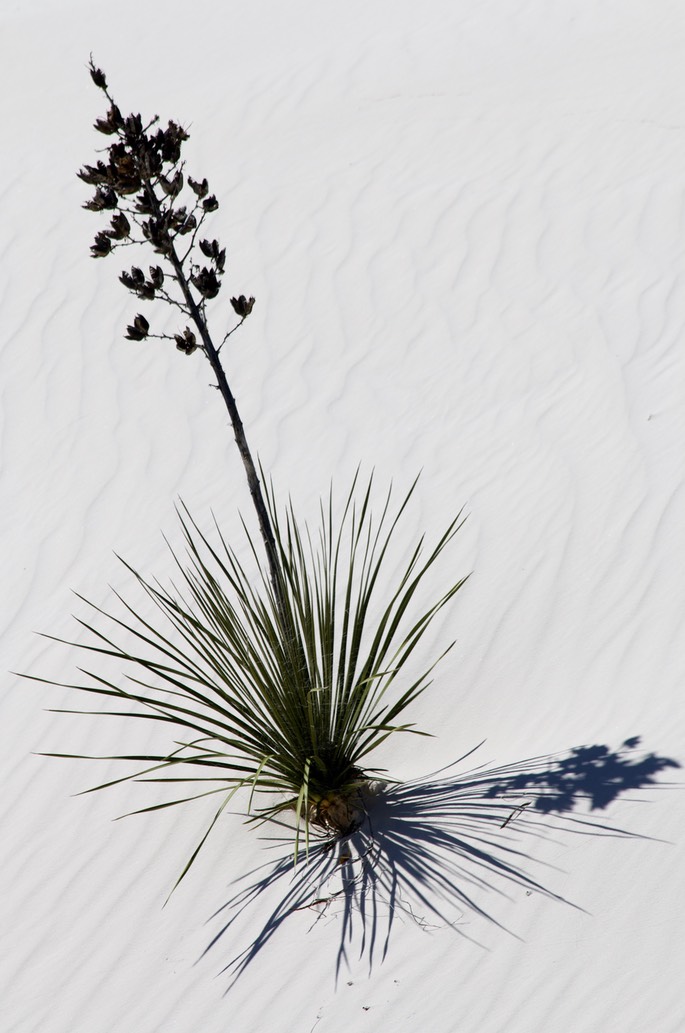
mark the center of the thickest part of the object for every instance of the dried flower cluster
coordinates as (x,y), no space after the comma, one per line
(142,184)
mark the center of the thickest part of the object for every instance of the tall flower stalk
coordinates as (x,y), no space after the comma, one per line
(142,185)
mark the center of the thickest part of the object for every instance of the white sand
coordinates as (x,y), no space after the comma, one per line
(464,225)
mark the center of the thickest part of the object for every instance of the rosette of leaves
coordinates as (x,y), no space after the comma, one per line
(284,695)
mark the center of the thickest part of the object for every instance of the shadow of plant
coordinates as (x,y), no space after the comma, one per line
(429,848)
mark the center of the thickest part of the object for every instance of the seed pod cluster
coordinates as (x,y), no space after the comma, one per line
(141,186)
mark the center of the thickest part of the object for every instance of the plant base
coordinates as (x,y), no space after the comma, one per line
(341,813)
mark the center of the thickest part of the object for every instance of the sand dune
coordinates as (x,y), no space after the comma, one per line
(463,225)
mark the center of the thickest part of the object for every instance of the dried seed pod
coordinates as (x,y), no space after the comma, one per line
(98,76)
(172,187)
(242,306)
(112,123)
(102,199)
(94,175)
(169,142)
(186,343)
(133,125)
(121,227)
(156,231)
(138,331)
(102,245)
(206,283)
(156,276)
(143,205)
(199,188)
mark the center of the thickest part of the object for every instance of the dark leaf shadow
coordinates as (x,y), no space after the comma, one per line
(430,850)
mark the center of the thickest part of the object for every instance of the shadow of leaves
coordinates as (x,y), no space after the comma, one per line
(433,849)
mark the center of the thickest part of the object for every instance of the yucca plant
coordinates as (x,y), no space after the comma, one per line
(284,694)
(284,677)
